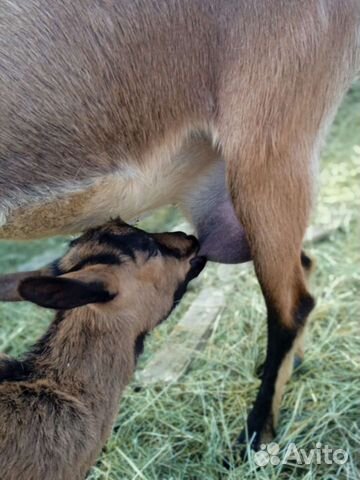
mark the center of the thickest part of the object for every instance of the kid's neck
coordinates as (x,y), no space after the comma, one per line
(86,352)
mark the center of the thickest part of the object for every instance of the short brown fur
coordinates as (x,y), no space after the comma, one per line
(58,404)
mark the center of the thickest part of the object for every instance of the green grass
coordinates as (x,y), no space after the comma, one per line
(180,432)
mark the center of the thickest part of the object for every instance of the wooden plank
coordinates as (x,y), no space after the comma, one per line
(320,233)
(171,361)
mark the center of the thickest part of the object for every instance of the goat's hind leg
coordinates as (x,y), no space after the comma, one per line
(272,198)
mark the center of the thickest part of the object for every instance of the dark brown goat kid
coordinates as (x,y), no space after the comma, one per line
(58,404)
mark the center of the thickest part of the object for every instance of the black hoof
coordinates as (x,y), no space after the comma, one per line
(246,441)
(240,450)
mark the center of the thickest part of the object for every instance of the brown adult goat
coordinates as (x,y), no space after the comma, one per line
(116,107)
(58,404)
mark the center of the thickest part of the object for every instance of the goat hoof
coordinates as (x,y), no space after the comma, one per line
(244,442)
(240,450)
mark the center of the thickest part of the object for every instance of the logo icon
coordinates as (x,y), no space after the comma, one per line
(267,454)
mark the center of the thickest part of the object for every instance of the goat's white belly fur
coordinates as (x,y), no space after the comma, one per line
(131,191)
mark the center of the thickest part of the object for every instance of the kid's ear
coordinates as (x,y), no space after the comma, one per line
(9,284)
(63,293)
